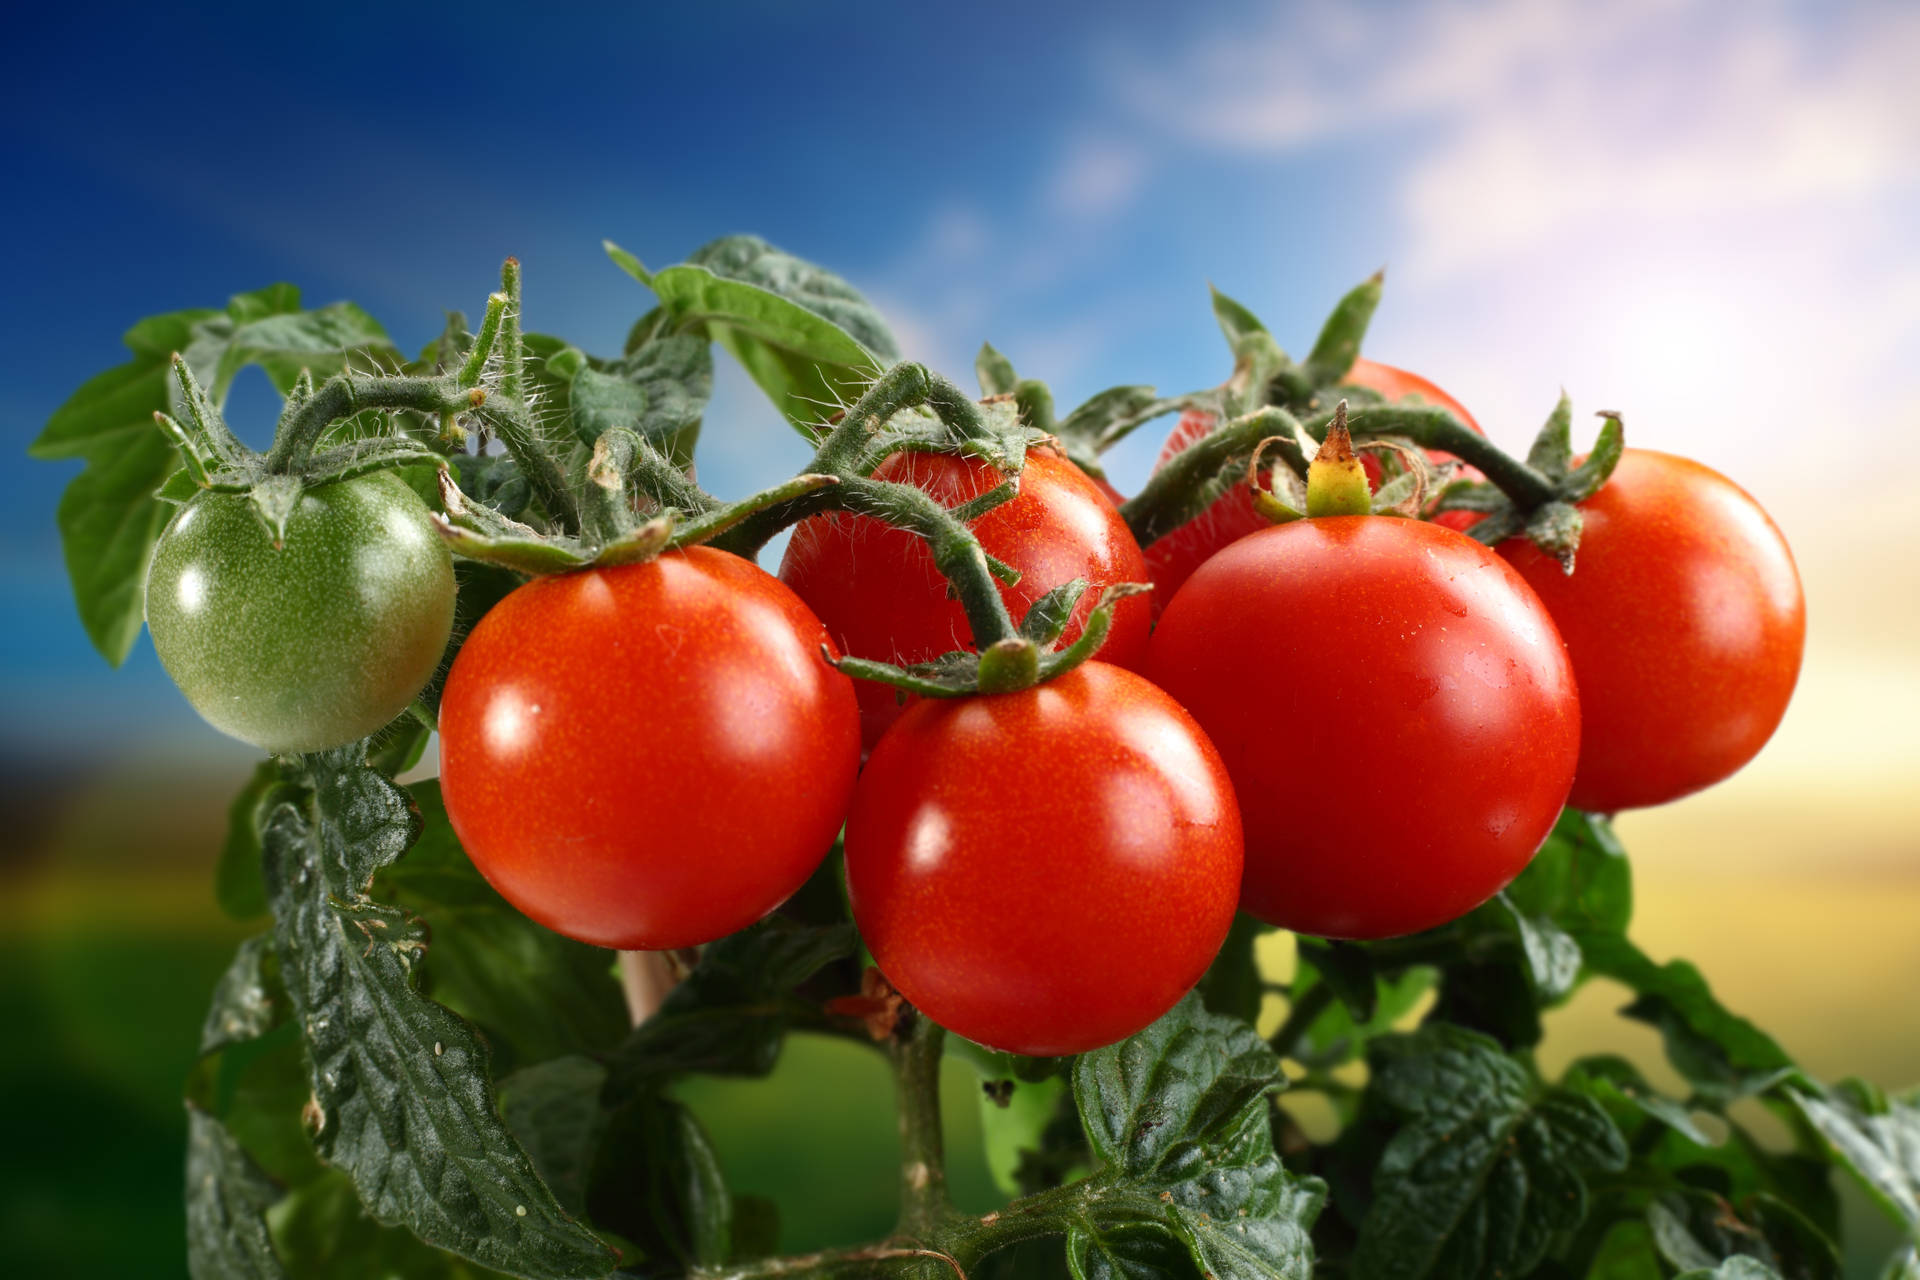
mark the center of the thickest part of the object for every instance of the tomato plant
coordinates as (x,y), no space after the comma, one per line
(316,641)
(1675,556)
(648,756)
(1357,727)
(1119,862)
(879,592)
(1416,727)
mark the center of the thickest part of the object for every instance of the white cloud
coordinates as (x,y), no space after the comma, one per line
(1098,177)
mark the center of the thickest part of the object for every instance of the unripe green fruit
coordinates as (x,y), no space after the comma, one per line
(313,644)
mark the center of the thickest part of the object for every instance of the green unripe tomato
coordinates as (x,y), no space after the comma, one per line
(313,644)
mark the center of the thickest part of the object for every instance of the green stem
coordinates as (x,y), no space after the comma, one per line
(1190,480)
(923,1163)
(956,552)
(342,397)
(1437,429)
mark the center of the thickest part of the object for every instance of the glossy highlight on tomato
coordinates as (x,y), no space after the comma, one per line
(1686,623)
(649,756)
(1396,711)
(1046,871)
(878,592)
(1173,558)
(317,642)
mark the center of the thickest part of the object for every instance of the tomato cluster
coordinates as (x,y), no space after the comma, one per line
(1349,726)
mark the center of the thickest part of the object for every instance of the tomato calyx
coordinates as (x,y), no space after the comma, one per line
(1335,483)
(1551,519)
(1008,665)
(214,460)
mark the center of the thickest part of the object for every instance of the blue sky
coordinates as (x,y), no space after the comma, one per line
(1701,214)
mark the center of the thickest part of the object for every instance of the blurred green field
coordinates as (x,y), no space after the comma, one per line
(110,943)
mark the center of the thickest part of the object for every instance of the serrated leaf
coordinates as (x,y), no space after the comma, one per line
(402,1101)
(538,995)
(1877,1140)
(1177,1114)
(553,1108)
(1485,1165)
(657,1182)
(325,1234)
(227,1199)
(730,1015)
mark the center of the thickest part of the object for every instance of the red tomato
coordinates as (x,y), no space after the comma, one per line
(1172,558)
(649,756)
(877,590)
(1685,621)
(1046,871)
(1396,711)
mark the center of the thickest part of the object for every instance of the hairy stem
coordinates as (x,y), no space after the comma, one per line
(342,396)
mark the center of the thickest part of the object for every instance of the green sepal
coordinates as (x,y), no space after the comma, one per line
(1552,450)
(1338,345)
(995,372)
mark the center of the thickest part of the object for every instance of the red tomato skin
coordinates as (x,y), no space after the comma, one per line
(1686,623)
(1396,711)
(1046,871)
(649,756)
(876,589)
(1173,558)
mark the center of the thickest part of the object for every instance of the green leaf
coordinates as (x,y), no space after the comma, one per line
(659,391)
(627,262)
(1740,1268)
(1486,1164)
(237,885)
(805,336)
(325,1234)
(1617,1085)
(1723,1056)
(658,1183)
(111,515)
(730,1015)
(1553,957)
(1877,1139)
(248,1001)
(1697,1230)
(1178,1116)
(538,995)
(227,1200)
(553,1108)
(1580,879)
(402,1101)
